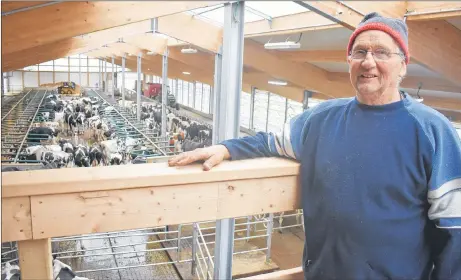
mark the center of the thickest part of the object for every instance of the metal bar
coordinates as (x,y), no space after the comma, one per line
(30,126)
(286,110)
(113,78)
(268,105)
(118,253)
(164,90)
(409,14)
(259,13)
(270,225)
(15,105)
(123,79)
(322,13)
(194,92)
(135,128)
(252,108)
(194,248)
(201,101)
(228,120)
(130,266)
(79,70)
(105,75)
(30,8)
(138,89)
(115,258)
(307,94)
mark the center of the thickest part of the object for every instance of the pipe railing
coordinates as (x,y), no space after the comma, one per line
(128,197)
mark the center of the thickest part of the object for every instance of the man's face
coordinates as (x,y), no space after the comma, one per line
(371,76)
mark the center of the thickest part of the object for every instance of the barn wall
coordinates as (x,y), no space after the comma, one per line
(16,81)
(30,79)
(46,77)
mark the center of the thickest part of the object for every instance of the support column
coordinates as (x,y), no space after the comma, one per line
(201,101)
(87,71)
(105,75)
(100,73)
(252,108)
(38,74)
(79,70)
(35,259)
(176,90)
(113,78)
(307,94)
(226,119)
(286,111)
(138,89)
(54,74)
(194,92)
(268,105)
(68,68)
(123,78)
(164,90)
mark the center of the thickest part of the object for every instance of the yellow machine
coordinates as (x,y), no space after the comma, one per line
(70,89)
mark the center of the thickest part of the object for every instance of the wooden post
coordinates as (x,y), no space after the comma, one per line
(35,259)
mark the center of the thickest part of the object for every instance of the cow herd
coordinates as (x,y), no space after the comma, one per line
(53,141)
(61,271)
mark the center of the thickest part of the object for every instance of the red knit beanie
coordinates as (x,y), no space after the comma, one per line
(396,28)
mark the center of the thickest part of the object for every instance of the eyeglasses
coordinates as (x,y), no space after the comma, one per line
(379,54)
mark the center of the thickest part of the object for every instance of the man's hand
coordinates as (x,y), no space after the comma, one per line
(213,156)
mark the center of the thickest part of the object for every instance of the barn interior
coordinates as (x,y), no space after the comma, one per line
(121,87)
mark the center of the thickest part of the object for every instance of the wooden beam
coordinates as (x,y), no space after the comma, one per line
(303,75)
(313,55)
(65,20)
(294,23)
(124,197)
(433,36)
(432,10)
(8,6)
(437,47)
(16,218)
(35,259)
(187,28)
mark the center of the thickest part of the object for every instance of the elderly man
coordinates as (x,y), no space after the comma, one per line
(381,173)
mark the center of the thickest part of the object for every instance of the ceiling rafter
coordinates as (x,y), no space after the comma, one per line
(51,23)
(430,36)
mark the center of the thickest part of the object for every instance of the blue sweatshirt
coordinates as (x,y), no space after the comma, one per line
(381,188)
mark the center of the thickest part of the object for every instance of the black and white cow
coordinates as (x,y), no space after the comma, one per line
(62,271)
(81,157)
(11,271)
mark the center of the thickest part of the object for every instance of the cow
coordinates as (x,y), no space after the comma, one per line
(96,155)
(81,156)
(62,271)
(41,133)
(11,272)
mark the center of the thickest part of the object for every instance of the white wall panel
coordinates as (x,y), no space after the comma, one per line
(94,78)
(16,81)
(61,77)
(30,79)
(46,77)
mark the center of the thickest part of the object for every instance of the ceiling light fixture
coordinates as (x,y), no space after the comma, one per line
(186,73)
(277,83)
(188,50)
(282,45)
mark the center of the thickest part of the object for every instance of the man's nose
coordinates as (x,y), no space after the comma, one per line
(369,60)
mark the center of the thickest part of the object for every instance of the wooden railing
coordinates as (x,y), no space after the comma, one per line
(38,205)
